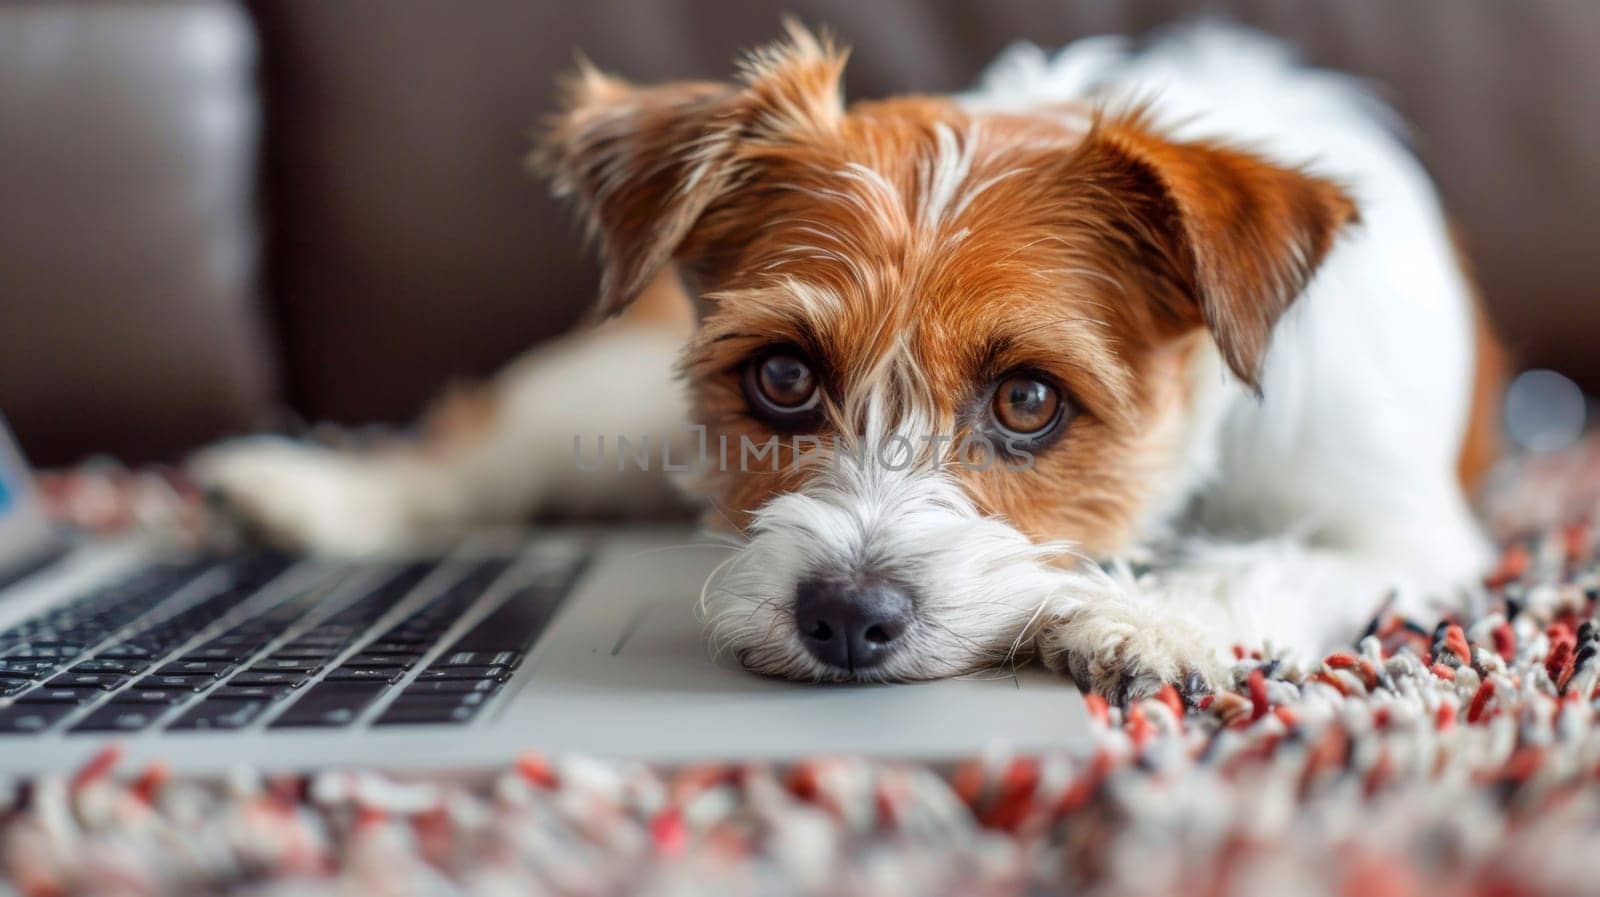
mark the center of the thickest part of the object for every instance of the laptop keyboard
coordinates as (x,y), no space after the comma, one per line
(233,643)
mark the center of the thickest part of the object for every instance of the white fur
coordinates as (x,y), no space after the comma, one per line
(973,575)
(615,381)
(1287,520)
(1367,384)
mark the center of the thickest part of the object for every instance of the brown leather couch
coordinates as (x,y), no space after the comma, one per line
(217,216)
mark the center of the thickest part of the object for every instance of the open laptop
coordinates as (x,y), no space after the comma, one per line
(554,641)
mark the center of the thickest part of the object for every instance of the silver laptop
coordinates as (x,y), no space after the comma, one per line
(553,641)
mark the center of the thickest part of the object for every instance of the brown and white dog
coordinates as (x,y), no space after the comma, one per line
(1016,345)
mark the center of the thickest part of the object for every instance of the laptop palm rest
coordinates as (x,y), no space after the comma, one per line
(627,672)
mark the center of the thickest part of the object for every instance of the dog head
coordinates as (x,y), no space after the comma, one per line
(943,354)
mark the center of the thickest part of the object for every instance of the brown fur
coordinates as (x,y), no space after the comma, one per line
(458,420)
(1097,253)
(1482,445)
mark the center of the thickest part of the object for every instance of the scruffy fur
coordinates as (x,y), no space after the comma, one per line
(1242,280)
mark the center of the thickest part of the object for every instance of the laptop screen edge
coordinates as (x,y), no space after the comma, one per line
(25,530)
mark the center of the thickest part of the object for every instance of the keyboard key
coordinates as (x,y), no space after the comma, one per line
(285,665)
(424,714)
(434,708)
(355,674)
(173,683)
(251,692)
(26,669)
(9,687)
(452,686)
(109,665)
(106,681)
(420,628)
(55,650)
(328,635)
(413,699)
(27,719)
(256,627)
(310,651)
(154,696)
(43,655)
(225,653)
(212,668)
(60,696)
(367,659)
(266,678)
(399,644)
(314,652)
(516,623)
(478,658)
(329,704)
(126,650)
(119,717)
(478,672)
(221,714)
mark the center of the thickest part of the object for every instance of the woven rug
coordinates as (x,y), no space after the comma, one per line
(1433,757)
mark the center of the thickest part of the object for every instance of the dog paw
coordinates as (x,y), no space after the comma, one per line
(1126,653)
(304,497)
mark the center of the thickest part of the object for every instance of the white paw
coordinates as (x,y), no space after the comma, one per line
(1125,652)
(306,497)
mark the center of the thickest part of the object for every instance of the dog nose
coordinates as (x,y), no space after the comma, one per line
(851,625)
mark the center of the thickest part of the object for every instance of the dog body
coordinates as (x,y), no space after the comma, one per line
(1166,325)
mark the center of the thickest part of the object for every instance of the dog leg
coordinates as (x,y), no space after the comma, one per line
(1125,649)
(1179,623)
(495,455)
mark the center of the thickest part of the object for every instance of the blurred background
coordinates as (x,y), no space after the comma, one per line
(220,216)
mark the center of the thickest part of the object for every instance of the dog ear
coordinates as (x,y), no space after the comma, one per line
(644,163)
(1241,236)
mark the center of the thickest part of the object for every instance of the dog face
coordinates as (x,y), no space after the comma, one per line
(943,355)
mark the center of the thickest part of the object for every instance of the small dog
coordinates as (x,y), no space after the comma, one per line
(1122,359)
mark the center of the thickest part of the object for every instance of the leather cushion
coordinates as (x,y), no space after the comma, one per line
(129,314)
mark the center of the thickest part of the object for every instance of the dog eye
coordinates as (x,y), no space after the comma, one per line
(1026,406)
(781,387)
